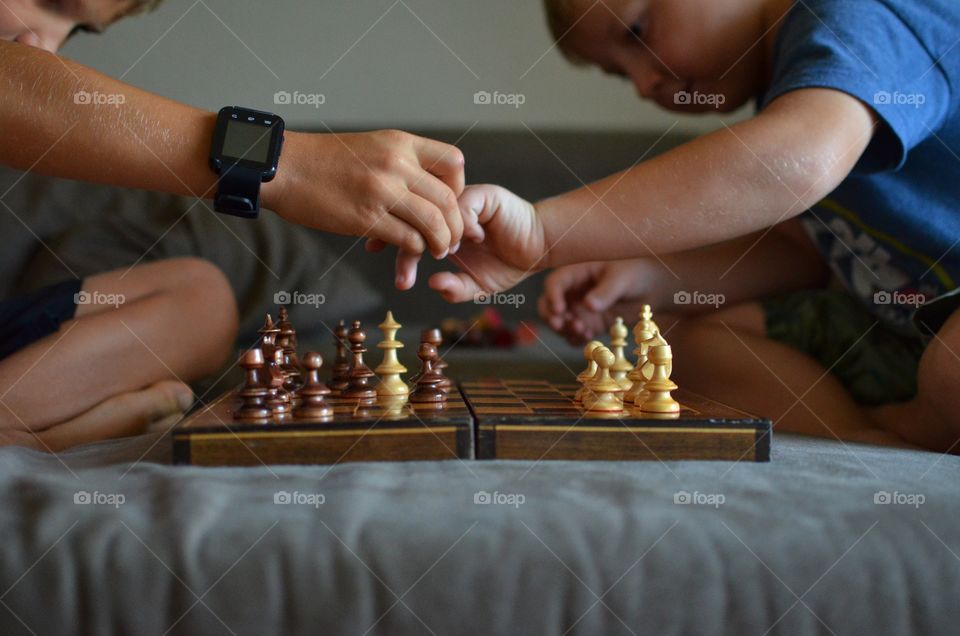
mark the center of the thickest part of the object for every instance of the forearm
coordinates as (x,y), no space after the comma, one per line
(728,184)
(777,260)
(146,142)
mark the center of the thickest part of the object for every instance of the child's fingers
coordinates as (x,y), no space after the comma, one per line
(559,283)
(455,287)
(546,314)
(607,291)
(406,270)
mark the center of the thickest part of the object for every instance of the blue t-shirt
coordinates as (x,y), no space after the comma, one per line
(891,231)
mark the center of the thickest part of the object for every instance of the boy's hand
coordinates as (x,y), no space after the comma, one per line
(580,301)
(386,185)
(505,244)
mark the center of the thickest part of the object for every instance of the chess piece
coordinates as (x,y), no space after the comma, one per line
(588,374)
(660,385)
(643,370)
(435,337)
(313,403)
(605,393)
(621,366)
(341,362)
(287,341)
(360,384)
(268,337)
(254,392)
(428,389)
(284,324)
(390,369)
(279,401)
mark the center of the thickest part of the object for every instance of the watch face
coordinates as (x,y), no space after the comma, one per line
(247,141)
(247,138)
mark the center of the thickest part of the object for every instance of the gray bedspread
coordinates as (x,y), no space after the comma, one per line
(98,542)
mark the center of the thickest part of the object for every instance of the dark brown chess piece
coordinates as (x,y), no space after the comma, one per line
(268,338)
(341,362)
(280,401)
(254,391)
(287,342)
(361,376)
(428,390)
(313,404)
(435,337)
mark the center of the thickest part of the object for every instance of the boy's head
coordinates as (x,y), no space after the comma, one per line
(686,55)
(47,24)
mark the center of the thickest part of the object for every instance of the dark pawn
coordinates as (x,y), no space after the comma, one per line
(341,362)
(360,383)
(435,337)
(254,391)
(313,405)
(428,389)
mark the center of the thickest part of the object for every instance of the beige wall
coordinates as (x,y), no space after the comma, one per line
(412,63)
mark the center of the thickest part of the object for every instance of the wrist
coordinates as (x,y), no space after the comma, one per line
(542,236)
(273,192)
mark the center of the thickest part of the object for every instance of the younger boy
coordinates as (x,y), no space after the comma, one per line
(850,167)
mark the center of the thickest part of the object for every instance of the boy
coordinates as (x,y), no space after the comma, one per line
(850,167)
(73,369)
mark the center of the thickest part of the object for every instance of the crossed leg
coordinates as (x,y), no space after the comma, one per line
(727,356)
(113,369)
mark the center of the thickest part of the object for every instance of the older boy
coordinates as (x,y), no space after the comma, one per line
(854,139)
(72,371)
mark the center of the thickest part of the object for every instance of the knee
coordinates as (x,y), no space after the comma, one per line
(204,290)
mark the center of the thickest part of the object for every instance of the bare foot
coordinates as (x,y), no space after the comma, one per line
(119,416)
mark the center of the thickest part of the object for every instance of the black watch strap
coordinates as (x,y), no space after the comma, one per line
(238,192)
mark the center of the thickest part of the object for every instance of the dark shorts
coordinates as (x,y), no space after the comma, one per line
(876,364)
(28,318)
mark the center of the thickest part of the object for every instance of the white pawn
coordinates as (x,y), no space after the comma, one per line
(391,385)
(605,394)
(621,366)
(660,385)
(587,375)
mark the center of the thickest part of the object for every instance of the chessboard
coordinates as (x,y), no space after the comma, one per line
(483,419)
(284,413)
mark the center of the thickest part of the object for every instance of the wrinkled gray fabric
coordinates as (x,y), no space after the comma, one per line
(403,548)
(55,229)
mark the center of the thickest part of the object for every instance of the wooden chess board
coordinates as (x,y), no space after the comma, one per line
(485,419)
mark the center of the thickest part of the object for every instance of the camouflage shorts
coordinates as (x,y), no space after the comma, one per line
(876,364)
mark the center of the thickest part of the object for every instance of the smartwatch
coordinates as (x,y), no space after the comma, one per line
(245,153)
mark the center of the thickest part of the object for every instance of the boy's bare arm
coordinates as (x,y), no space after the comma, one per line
(387,185)
(726,184)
